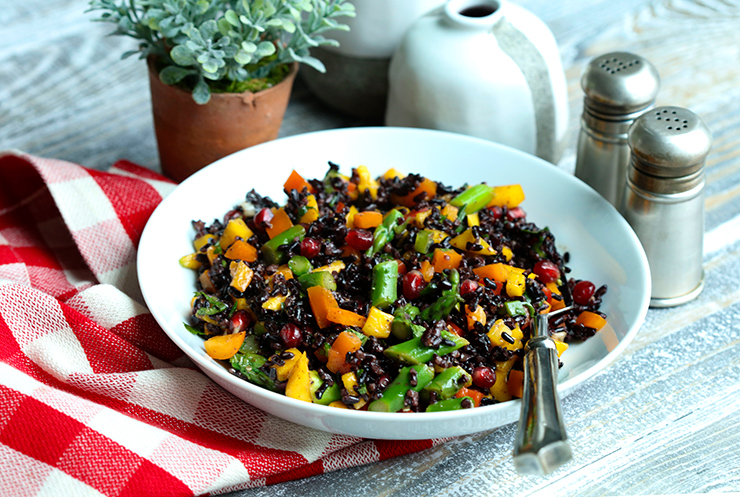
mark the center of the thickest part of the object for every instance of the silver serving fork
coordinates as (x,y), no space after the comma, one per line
(541,442)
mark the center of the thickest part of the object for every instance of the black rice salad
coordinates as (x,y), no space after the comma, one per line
(389,294)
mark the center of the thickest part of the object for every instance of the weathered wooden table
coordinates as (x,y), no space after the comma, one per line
(664,418)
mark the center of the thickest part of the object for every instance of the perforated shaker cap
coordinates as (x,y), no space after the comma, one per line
(669,143)
(620,83)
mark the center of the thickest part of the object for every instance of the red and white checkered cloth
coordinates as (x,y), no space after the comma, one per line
(94,398)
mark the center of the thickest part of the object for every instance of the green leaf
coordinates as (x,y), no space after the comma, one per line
(194,330)
(308,60)
(231,18)
(208,29)
(249,47)
(242,57)
(201,93)
(268,9)
(214,305)
(202,6)
(171,75)
(288,26)
(182,55)
(224,27)
(210,65)
(264,49)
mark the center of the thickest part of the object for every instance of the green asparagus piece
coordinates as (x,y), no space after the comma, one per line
(475,198)
(248,365)
(299,265)
(271,249)
(385,282)
(414,352)
(446,302)
(403,327)
(318,278)
(447,383)
(329,395)
(395,393)
(450,405)
(384,233)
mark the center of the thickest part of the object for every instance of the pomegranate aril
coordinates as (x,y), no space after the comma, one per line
(468,286)
(262,219)
(484,377)
(359,239)
(547,271)
(310,247)
(291,335)
(496,211)
(583,291)
(413,282)
(239,321)
(515,213)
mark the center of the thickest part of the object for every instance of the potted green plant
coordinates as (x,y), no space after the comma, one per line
(220,71)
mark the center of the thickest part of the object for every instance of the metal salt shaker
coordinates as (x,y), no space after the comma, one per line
(664,200)
(619,87)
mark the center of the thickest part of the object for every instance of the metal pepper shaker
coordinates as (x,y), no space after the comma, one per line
(619,87)
(664,200)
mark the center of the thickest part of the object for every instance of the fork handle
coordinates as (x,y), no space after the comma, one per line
(541,442)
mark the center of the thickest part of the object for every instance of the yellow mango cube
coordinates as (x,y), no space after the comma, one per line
(235,228)
(299,381)
(378,323)
(283,372)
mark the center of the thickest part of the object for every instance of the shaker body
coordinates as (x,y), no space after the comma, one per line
(671,230)
(603,156)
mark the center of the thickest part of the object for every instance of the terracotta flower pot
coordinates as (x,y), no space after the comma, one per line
(191,136)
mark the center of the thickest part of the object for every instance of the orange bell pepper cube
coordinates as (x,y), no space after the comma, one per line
(345,343)
(241,275)
(453,328)
(427,271)
(280,222)
(296,182)
(427,186)
(515,385)
(368,219)
(241,250)
(497,272)
(591,320)
(321,300)
(224,346)
(476,395)
(555,302)
(478,315)
(345,317)
(445,259)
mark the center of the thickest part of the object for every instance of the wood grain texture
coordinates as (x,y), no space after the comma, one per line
(664,418)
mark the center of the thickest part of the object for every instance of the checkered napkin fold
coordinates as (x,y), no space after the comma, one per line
(94,398)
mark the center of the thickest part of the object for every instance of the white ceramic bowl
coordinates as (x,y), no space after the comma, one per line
(602,246)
